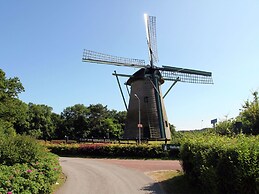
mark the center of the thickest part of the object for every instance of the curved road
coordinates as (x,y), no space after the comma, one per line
(96,176)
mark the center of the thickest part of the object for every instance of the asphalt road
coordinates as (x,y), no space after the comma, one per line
(92,176)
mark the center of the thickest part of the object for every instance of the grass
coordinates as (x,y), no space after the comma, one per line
(61,180)
(174,182)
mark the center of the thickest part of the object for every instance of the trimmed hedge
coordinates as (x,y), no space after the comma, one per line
(222,164)
(112,150)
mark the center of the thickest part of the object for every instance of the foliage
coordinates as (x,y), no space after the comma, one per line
(20,149)
(249,116)
(74,122)
(32,178)
(112,150)
(225,127)
(172,130)
(247,122)
(9,87)
(180,137)
(6,129)
(25,165)
(40,121)
(222,164)
(97,121)
(12,110)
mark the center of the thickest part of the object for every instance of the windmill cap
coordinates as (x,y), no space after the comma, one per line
(143,73)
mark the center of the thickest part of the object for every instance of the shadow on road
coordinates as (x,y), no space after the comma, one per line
(179,185)
(153,189)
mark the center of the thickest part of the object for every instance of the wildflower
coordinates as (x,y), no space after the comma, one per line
(9,192)
(29,170)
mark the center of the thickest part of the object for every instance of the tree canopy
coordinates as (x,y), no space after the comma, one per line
(96,121)
(40,121)
(12,110)
(246,122)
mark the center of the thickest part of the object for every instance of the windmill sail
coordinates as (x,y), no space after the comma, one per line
(186,75)
(150,22)
(100,58)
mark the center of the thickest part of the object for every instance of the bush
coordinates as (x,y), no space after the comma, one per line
(30,178)
(249,116)
(20,149)
(222,164)
(26,166)
(6,129)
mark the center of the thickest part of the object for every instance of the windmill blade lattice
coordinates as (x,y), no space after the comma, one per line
(186,75)
(100,58)
(150,22)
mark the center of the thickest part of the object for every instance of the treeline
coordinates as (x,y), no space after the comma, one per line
(38,120)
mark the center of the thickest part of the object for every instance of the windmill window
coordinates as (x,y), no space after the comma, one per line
(146,99)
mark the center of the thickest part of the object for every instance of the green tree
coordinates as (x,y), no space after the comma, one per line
(6,129)
(12,110)
(97,116)
(74,122)
(40,121)
(120,118)
(106,123)
(57,122)
(225,127)
(249,115)
(96,121)
(172,130)
(112,128)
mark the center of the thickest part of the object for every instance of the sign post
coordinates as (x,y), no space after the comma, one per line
(139,120)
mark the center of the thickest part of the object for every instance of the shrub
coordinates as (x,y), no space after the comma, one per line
(222,164)
(250,115)
(20,149)
(63,149)
(30,178)
(112,150)
(26,166)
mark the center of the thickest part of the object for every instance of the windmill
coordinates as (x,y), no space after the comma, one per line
(145,97)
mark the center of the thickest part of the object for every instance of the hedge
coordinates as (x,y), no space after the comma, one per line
(222,164)
(112,150)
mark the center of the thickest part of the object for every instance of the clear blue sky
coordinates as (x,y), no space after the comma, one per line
(42,42)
